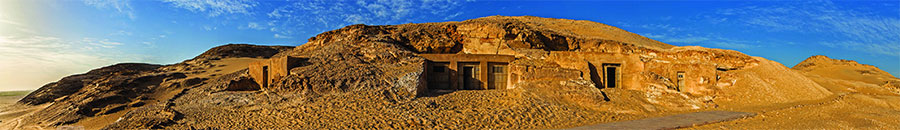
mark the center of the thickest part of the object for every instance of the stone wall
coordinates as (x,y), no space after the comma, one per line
(256,72)
(278,67)
(629,68)
(637,73)
(482,60)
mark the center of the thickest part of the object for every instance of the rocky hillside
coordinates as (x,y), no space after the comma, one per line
(125,86)
(71,84)
(365,77)
(241,50)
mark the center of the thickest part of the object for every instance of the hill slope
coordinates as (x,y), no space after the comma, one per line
(844,69)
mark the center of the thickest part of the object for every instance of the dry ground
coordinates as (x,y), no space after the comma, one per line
(9,111)
(8,107)
(854,105)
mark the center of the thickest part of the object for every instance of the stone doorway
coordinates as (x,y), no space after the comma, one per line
(680,80)
(265,77)
(467,71)
(611,75)
(469,76)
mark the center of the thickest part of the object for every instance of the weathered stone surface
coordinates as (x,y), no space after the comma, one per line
(240,50)
(151,117)
(75,83)
(122,87)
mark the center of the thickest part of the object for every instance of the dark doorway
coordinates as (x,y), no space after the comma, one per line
(469,77)
(265,75)
(611,74)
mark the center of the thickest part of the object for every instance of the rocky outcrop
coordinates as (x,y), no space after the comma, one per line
(241,50)
(355,67)
(74,83)
(151,117)
(823,61)
(127,86)
(491,35)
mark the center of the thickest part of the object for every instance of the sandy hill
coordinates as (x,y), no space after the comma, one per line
(865,97)
(844,69)
(370,77)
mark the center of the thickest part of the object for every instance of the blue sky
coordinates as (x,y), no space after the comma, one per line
(43,40)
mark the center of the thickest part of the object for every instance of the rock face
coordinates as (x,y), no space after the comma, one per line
(126,86)
(369,77)
(241,50)
(71,84)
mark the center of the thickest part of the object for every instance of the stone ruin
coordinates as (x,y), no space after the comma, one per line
(495,71)
(468,71)
(273,69)
(477,55)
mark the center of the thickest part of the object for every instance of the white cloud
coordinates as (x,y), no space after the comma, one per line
(216,7)
(322,15)
(28,62)
(120,6)
(121,33)
(105,43)
(31,61)
(838,27)
(453,15)
(851,29)
(887,49)
(209,28)
(708,40)
(281,36)
(255,26)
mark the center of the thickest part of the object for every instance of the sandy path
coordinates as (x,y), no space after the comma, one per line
(670,122)
(841,111)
